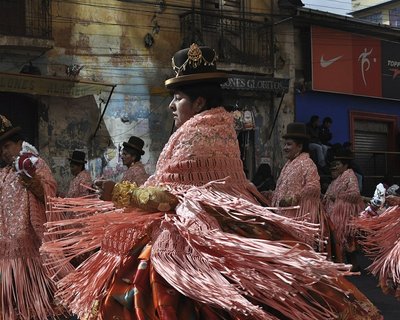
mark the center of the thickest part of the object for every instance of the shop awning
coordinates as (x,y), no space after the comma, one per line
(50,86)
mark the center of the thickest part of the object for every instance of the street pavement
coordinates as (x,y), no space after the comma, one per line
(368,284)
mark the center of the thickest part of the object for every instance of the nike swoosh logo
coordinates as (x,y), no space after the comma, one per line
(326,63)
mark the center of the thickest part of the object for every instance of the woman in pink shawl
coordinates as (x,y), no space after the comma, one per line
(298,191)
(78,187)
(194,243)
(27,284)
(298,183)
(342,203)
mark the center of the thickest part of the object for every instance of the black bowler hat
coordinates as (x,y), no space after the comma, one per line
(296,130)
(78,157)
(6,128)
(195,64)
(135,143)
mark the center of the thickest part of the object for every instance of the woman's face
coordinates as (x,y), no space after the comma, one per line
(291,149)
(10,150)
(182,108)
(75,168)
(127,158)
(337,168)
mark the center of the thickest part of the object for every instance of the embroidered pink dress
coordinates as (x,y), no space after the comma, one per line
(77,185)
(136,173)
(343,202)
(217,255)
(27,288)
(299,179)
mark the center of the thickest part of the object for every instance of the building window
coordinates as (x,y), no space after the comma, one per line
(394,17)
(27,18)
(375,18)
(222,25)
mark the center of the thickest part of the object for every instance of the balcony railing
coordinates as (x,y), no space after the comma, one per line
(236,40)
(26,18)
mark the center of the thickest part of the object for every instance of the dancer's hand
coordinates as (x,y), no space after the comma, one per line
(393,200)
(105,189)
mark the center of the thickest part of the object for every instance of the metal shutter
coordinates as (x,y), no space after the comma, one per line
(369,137)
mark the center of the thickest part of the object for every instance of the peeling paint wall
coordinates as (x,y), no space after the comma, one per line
(106,39)
(285,54)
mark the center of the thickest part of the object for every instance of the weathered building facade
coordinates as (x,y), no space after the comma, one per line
(95,73)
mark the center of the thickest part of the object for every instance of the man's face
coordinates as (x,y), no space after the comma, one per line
(10,150)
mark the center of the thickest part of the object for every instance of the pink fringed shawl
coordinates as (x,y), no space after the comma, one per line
(204,149)
(382,243)
(136,173)
(201,166)
(342,203)
(197,258)
(77,185)
(27,285)
(299,179)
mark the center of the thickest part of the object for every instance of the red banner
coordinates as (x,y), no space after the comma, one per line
(347,63)
(366,66)
(332,64)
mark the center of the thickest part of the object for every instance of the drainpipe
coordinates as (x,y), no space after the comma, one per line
(104,111)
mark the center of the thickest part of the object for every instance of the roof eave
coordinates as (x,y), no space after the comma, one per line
(307,16)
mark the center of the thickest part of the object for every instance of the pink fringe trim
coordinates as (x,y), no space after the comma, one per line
(24,281)
(342,219)
(382,242)
(278,274)
(100,226)
(190,252)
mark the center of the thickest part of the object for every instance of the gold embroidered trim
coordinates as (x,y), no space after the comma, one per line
(122,193)
(195,59)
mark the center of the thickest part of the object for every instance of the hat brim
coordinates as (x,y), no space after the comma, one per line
(128,145)
(9,133)
(219,77)
(77,161)
(343,158)
(295,136)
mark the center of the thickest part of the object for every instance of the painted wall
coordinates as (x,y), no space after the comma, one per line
(106,39)
(282,111)
(338,106)
(362,4)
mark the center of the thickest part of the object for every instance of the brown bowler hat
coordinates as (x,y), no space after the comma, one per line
(195,64)
(296,130)
(6,128)
(135,143)
(78,157)
(343,154)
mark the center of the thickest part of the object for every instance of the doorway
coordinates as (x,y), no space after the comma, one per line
(374,143)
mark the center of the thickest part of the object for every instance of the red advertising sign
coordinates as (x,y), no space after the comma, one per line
(347,63)
(366,66)
(332,65)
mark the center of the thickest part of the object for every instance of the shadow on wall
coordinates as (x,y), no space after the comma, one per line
(22,111)
(68,124)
